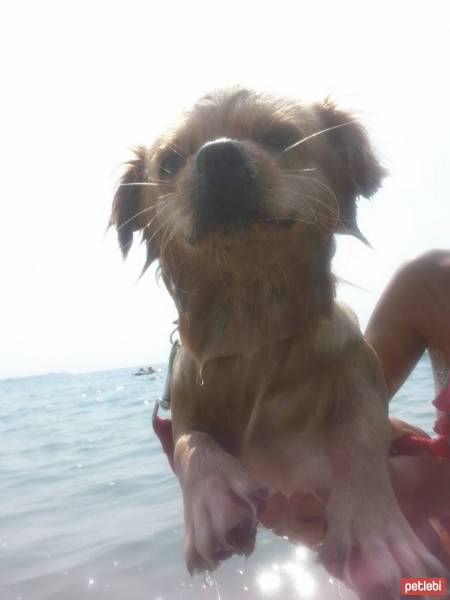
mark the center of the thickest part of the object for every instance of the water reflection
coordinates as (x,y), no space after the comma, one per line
(108,523)
(269,581)
(299,577)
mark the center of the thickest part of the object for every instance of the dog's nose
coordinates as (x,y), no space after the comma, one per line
(223,159)
(227,195)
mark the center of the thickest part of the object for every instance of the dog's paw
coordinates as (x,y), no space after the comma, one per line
(372,549)
(221,514)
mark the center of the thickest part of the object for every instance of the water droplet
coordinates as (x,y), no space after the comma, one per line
(245,588)
(112,483)
(91,581)
(115,563)
(208,579)
(240,571)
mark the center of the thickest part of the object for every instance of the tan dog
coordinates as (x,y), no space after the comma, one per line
(274,382)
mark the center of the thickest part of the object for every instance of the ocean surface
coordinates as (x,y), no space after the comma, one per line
(90,510)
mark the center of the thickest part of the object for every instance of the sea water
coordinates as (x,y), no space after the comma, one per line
(90,510)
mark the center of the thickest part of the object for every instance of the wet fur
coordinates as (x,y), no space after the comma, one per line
(274,385)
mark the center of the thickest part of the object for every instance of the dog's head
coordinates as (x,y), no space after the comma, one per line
(246,183)
(243,166)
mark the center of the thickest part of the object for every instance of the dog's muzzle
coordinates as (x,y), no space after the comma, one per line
(228,196)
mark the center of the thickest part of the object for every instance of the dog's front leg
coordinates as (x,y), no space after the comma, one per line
(369,543)
(221,501)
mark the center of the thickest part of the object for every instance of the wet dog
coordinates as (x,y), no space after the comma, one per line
(274,388)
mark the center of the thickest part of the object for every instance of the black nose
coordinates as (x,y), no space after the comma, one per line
(223,159)
(228,197)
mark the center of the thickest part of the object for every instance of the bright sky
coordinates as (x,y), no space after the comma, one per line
(82,82)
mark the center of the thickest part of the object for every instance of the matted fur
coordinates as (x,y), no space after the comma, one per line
(274,382)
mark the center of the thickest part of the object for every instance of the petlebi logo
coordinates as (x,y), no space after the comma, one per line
(418,586)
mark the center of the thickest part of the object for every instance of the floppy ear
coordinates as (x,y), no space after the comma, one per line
(127,201)
(358,171)
(129,212)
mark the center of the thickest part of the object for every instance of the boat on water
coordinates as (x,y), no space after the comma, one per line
(144,371)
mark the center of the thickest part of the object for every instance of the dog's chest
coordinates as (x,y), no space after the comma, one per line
(290,455)
(270,409)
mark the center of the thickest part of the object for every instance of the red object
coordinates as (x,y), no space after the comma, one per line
(442,426)
(413,444)
(438,446)
(442,400)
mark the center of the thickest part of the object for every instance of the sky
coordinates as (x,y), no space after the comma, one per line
(82,82)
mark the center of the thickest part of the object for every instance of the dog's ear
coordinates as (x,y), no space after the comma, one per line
(131,210)
(127,203)
(358,171)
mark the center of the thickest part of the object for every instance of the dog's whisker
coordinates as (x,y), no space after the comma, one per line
(309,214)
(170,232)
(313,135)
(177,149)
(128,221)
(163,224)
(304,213)
(145,184)
(306,170)
(162,209)
(170,195)
(303,202)
(138,214)
(313,203)
(311,181)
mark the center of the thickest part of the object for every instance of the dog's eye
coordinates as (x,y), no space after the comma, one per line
(279,139)
(277,142)
(172,164)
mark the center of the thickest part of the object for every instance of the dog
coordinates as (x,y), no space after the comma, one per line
(274,390)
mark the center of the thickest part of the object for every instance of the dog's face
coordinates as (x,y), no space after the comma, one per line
(245,175)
